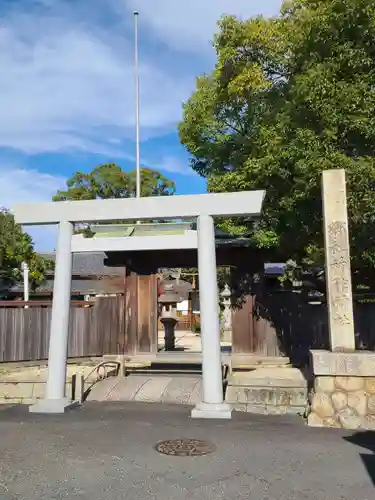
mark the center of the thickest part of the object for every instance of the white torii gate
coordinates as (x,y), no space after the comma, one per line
(203,207)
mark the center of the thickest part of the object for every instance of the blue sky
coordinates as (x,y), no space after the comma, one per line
(67,88)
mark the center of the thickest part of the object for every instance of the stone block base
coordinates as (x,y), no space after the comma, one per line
(344,390)
(268,391)
(51,406)
(212,411)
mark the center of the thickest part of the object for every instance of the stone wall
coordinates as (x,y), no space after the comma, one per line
(26,384)
(344,390)
(24,392)
(343,402)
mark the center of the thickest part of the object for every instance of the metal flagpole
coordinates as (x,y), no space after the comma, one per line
(137,134)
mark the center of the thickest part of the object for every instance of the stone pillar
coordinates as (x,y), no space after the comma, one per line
(337,258)
(55,400)
(213,405)
(344,380)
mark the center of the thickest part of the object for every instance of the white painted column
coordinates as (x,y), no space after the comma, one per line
(213,405)
(55,400)
(25,269)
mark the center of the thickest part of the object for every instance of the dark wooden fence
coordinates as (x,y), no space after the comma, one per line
(286,324)
(95,328)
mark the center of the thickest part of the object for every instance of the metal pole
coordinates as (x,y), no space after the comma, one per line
(137,133)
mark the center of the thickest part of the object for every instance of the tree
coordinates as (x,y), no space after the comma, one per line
(288,98)
(17,247)
(191,275)
(110,181)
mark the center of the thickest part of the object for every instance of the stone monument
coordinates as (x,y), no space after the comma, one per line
(344,379)
(337,260)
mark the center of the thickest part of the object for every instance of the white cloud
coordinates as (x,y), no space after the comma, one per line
(166,163)
(18,185)
(189,26)
(69,84)
(67,79)
(172,164)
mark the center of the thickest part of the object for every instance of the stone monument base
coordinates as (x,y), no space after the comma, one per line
(344,390)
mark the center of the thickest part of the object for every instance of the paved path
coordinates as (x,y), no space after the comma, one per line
(105,451)
(185,340)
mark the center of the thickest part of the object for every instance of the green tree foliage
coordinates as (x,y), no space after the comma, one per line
(191,275)
(289,97)
(17,247)
(110,181)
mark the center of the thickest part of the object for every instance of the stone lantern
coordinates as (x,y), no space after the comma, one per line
(227,313)
(168,300)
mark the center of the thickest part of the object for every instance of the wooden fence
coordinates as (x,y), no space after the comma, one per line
(286,324)
(271,324)
(95,328)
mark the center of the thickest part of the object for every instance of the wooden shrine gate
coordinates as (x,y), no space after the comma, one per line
(140,332)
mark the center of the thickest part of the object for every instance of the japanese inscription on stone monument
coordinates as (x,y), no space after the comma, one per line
(337,254)
(340,282)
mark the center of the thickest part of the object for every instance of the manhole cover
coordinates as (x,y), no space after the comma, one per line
(185,447)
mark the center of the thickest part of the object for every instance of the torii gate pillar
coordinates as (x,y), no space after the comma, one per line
(213,405)
(55,400)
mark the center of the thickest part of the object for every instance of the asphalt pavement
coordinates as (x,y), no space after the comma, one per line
(106,451)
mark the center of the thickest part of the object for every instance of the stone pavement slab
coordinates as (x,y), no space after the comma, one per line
(172,389)
(106,451)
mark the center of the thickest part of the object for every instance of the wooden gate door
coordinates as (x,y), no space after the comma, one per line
(141,334)
(252,332)
(147,314)
(242,328)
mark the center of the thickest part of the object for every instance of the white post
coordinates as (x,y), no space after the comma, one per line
(25,269)
(55,400)
(213,405)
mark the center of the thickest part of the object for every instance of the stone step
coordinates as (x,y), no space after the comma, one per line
(235,360)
